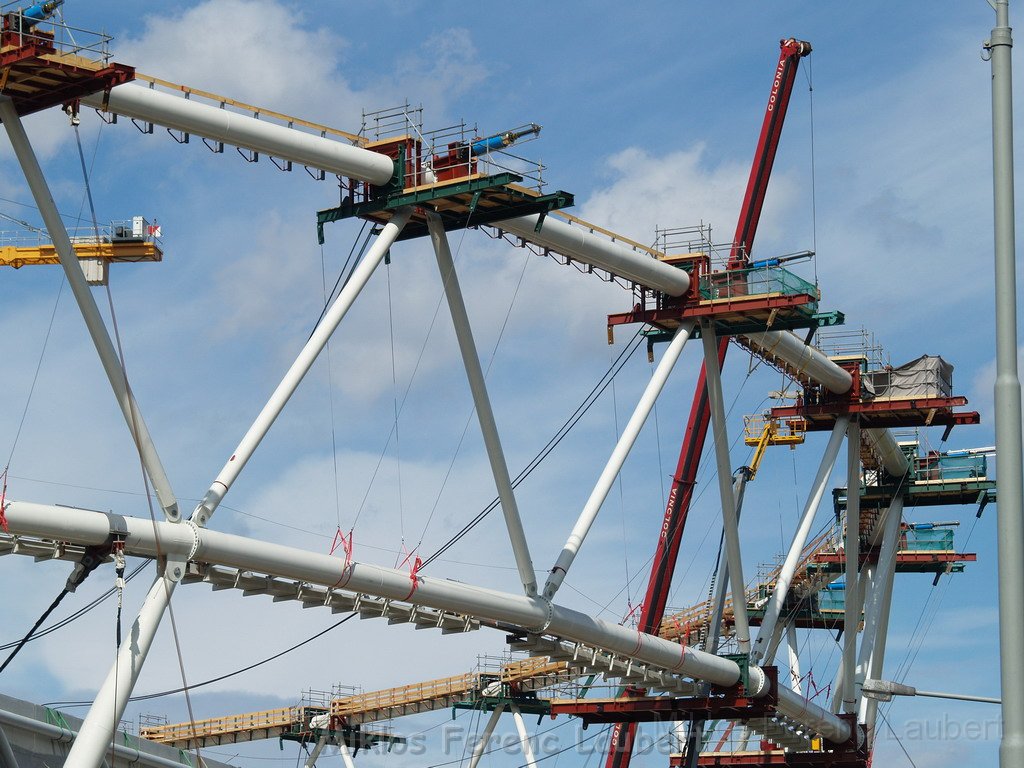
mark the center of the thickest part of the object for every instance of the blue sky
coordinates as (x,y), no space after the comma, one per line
(650,118)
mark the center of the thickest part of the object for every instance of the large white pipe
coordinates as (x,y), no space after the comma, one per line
(482,403)
(893,459)
(244,131)
(617,459)
(763,645)
(809,360)
(581,245)
(533,614)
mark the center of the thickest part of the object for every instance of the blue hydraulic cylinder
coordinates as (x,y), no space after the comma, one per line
(40,12)
(489,144)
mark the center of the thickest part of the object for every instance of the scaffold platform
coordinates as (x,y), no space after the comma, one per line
(37,71)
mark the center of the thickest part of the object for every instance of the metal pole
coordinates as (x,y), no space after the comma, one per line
(762,644)
(87,304)
(617,459)
(303,362)
(1010,472)
(730,521)
(481,744)
(477,385)
(851,548)
(524,737)
(346,756)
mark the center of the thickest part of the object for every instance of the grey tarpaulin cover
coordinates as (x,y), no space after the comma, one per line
(927,376)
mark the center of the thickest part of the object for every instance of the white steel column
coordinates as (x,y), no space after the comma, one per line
(481,744)
(100,724)
(761,647)
(876,622)
(317,341)
(730,522)
(524,737)
(851,593)
(477,385)
(346,756)
(87,304)
(794,660)
(617,459)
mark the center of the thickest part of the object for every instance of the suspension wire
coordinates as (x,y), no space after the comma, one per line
(35,376)
(469,418)
(622,494)
(345,274)
(394,389)
(330,391)
(809,75)
(219,678)
(77,614)
(142,468)
(28,636)
(560,434)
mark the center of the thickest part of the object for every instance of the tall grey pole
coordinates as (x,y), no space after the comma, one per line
(1010,474)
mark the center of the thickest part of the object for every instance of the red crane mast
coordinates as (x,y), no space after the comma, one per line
(620,747)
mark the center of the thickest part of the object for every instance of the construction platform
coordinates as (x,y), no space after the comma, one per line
(739,301)
(38,71)
(468,201)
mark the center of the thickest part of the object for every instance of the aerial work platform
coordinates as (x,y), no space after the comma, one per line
(749,300)
(39,70)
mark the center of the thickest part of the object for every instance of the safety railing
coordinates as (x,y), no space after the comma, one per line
(217,726)
(736,283)
(134,230)
(21,31)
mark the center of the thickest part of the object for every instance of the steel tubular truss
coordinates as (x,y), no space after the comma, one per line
(695,683)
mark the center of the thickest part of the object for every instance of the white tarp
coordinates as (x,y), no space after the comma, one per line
(927,376)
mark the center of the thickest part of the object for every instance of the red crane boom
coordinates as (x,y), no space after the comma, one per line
(620,747)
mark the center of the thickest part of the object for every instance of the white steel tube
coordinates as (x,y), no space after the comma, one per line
(876,623)
(851,548)
(482,402)
(100,724)
(346,755)
(794,660)
(481,745)
(244,131)
(617,459)
(87,304)
(524,737)
(787,346)
(317,341)
(761,647)
(730,521)
(893,459)
(581,245)
(533,614)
